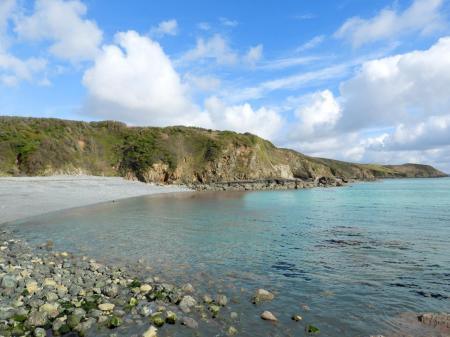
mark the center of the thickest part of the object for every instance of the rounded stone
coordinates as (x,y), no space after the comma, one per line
(106,306)
(268,316)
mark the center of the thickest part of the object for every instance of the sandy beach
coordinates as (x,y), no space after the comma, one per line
(23,197)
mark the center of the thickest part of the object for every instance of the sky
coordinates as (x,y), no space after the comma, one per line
(356,80)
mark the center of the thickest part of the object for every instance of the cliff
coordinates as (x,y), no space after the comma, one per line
(38,146)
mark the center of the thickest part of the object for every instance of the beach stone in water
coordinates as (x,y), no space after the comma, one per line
(215,309)
(187,288)
(171,317)
(151,332)
(221,300)
(268,316)
(190,322)
(232,331)
(207,299)
(186,303)
(296,318)
(262,295)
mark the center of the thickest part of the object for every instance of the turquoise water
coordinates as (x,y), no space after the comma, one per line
(353,261)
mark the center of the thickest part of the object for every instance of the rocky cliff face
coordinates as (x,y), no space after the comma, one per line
(30,146)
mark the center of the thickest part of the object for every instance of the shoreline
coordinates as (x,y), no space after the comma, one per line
(59,293)
(25,197)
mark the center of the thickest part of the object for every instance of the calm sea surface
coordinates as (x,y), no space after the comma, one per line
(353,261)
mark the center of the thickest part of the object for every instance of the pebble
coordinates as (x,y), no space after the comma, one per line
(296,318)
(151,332)
(268,316)
(106,306)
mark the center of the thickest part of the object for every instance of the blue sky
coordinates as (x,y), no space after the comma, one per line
(357,80)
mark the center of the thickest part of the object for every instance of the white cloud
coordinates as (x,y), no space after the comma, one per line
(202,82)
(13,70)
(134,80)
(318,113)
(254,54)
(169,27)
(227,22)
(7,8)
(215,48)
(243,118)
(423,16)
(61,22)
(203,26)
(398,88)
(394,109)
(288,83)
(284,63)
(311,44)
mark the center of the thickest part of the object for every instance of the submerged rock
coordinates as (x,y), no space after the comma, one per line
(262,295)
(221,300)
(440,320)
(190,322)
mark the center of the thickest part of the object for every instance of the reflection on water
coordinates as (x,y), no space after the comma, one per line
(358,257)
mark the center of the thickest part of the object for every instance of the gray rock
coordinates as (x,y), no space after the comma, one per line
(39,332)
(188,288)
(441,320)
(262,295)
(9,281)
(37,319)
(221,300)
(186,303)
(190,322)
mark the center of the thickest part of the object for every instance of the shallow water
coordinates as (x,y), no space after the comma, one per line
(352,261)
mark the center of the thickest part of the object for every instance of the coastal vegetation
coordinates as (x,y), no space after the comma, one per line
(177,154)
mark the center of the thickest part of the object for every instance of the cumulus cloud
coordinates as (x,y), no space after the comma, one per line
(392,89)
(423,16)
(243,118)
(134,80)
(317,114)
(394,109)
(169,27)
(73,37)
